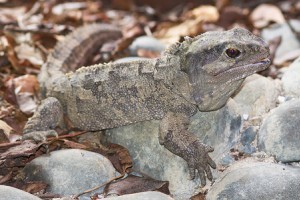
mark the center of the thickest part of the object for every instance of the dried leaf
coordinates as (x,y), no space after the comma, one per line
(199,196)
(26,89)
(120,158)
(15,119)
(34,186)
(172,32)
(6,178)
(123,4)
(233,15)
(26,148)
(8,43)
(11,15)
(134,184)
(204,13)
(265,14)
(26,52)
(61,8)
(74,145)
(5,131)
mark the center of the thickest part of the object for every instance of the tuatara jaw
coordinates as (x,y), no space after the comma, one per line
(247,69)
(264,62)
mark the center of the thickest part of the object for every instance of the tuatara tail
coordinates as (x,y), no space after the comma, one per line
(75,51)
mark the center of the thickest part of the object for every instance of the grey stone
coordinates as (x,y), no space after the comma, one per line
(143,196)
(257,96)
(249,179)
(147,43)
(247,149)
(248,142)
(219,129)
(289,41)
(7,193)
(248,135)
(227,160)
(70,171)
(279,133)
(291,79)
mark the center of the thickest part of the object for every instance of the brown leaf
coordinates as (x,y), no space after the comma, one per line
(15,119)
(11,15)
(9,44)
(5,131)
(171,32)
(204,13)
(233,15)
(27,52)
(60,9)
(26,148)
(74,145)
(10,95)
(123,4)
(6,178)
(265,14)
(26,83)
(34,186)
(120,158)
(199,196)
(26,90)
(221,4)
(134,184)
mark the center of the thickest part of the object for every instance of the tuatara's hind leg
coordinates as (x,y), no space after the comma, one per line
(174,136)
(47,116)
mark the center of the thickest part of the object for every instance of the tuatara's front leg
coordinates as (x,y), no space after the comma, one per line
(47,116)
(174,136)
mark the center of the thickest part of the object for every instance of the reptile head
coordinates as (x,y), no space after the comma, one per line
(218,62)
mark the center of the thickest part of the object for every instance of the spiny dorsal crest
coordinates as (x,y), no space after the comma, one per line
(176,48)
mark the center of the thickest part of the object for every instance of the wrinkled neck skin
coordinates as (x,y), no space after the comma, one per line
(212,92)
(205,91)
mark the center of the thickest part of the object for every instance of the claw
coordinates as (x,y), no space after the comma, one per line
(202,177)
(191,173)
(209,148)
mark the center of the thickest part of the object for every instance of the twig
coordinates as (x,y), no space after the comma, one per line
(97,187)
(6,145)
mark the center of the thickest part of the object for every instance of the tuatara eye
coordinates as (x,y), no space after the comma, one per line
(232,53)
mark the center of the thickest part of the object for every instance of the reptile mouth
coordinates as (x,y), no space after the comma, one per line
(247,69)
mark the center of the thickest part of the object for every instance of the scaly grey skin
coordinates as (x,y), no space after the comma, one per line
(200,73)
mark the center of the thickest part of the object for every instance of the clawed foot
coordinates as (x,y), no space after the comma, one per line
(199,160)
(39,136)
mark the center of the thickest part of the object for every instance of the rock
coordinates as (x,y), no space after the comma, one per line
(143,196)
(146,43)
(219,129)
(279,133)
(70,171)
(291,79)
(15,194)
(247,137)
(249,179)
(258,95)
(289,42)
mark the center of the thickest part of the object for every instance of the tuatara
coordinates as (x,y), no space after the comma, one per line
(200,73)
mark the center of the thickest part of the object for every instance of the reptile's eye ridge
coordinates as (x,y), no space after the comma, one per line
(232,52)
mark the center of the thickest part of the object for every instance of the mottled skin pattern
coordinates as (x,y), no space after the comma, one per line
(200,73)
